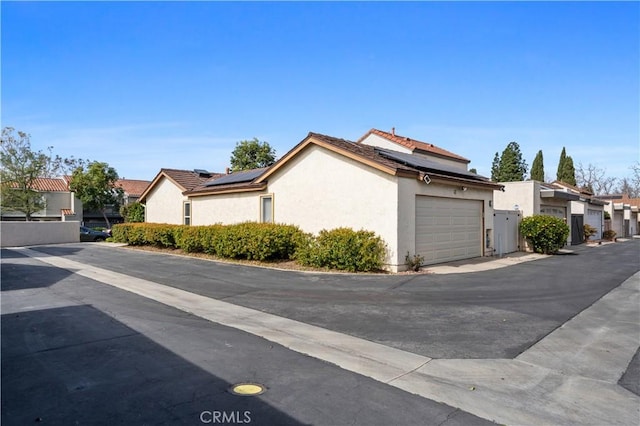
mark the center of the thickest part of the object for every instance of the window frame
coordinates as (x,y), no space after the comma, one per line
(187,217)
(262,198)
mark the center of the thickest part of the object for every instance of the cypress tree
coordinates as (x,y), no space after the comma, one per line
(563,160)
(495,168)
(568,172)
(537,168)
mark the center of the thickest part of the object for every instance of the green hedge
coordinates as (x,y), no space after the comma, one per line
(341,248)
(250,240)
(344,249)
(546,234)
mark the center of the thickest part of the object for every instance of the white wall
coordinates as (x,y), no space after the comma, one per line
(375,140)
(226,208)
(164,203)
(525,195)
(409,188)
(320,189)
(16,234)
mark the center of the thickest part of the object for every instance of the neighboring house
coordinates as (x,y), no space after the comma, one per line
(532,197)
(624,214)
(419,199)
(132,188)
(164,200)
(586,210)
(60,203)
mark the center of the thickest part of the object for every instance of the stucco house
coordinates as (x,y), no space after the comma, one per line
(532,197)
(624,214)
(132,190)
(418,197)
(588,209)
(60,204)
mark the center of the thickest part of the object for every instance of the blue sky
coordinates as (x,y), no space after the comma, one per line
(148,85)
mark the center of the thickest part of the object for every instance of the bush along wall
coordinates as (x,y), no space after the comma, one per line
(342,248)
(546,234)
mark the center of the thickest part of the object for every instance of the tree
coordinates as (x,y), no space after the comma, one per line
(21,166)
(495,168)
(252,154)
(561,162)
(631,185)
(568,172)
(473,170)
(133,212)
(511,167)
(95,185)
(594,179)
(537,168)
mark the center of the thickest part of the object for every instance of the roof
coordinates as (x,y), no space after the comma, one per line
(385,160)
(50,185)
(186,180)
(132,187)
(414,145)
(583,191)
(242,181)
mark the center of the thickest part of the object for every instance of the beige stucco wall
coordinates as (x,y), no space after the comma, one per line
(409,188)
(375,140)
(16,234)
(54,203)
(320,189)
(226,208)
(525,195)
(164,203)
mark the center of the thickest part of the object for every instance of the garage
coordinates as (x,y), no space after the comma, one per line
(448,229)
(594,219)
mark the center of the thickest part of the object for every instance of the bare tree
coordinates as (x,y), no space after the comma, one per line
(594,179)
(631,185)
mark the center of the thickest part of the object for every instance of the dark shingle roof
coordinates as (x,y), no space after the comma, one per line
(188,179)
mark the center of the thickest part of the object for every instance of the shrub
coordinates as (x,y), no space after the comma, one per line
(413,262)
(607,215)
(546,234)
(609,234)
(344,249)
(133,212)
(589,231)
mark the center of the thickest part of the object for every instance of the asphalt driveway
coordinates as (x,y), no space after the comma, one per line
(492,314)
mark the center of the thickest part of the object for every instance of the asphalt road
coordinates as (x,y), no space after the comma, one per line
(75,351)
(492,314)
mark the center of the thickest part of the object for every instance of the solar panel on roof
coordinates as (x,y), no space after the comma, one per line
(237,177)
(420,162)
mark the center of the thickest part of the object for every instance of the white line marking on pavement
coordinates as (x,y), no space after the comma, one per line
(528,390)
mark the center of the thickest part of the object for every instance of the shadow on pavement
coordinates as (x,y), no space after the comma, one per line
(77,365)
(15,276)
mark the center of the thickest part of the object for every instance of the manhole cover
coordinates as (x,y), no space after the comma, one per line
(247,389)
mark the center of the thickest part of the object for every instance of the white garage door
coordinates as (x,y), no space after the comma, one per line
(559,212)
(594,218)
(448,229)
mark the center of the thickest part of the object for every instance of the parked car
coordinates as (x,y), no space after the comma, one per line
(88,234)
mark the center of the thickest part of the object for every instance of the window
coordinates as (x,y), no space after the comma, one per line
(187,212)
(266,208)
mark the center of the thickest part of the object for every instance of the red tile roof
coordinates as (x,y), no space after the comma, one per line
(50,185)
(414,145)
(67,212)
(132,187)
